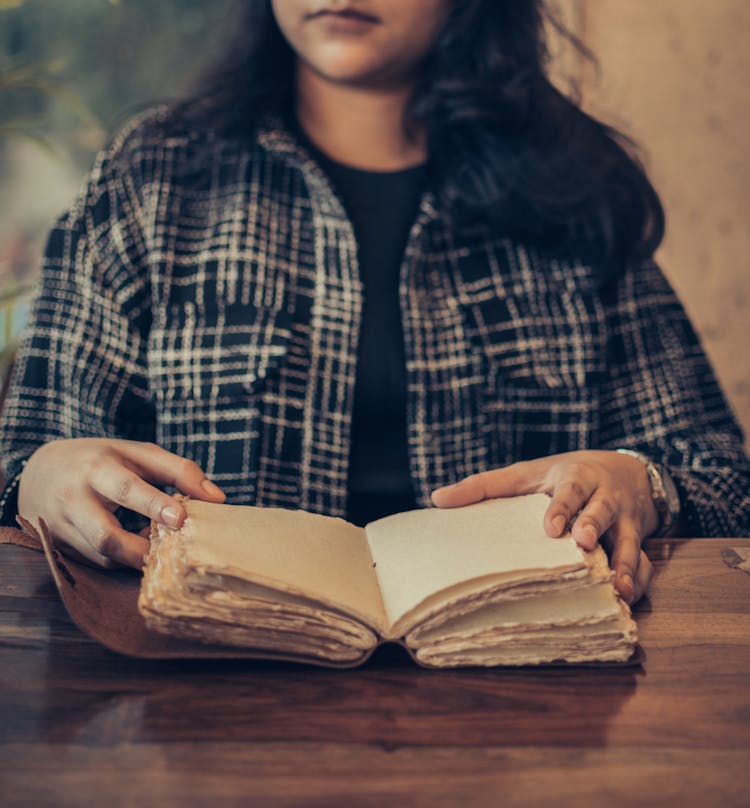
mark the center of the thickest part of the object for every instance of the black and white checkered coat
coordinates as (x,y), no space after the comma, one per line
(204,295)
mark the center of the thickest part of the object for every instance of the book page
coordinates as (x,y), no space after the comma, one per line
(427,555)
(576,607)
(318,557)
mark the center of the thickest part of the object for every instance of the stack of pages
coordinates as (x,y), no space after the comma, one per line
(479,585)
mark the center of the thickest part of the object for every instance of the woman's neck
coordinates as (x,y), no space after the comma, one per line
(359,127)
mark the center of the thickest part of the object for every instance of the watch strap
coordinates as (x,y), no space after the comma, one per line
(663,492)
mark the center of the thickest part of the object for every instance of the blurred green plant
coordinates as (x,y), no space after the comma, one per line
(43,81)
(13,303)
(71,71)
(39,84)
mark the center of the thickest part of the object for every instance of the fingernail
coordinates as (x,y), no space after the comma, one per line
(444,488)
(211,489)
(172,515)
(559,523)
(590,534)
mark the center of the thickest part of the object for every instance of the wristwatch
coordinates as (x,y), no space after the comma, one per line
(663,492)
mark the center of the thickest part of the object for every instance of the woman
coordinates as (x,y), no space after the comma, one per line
(378,254)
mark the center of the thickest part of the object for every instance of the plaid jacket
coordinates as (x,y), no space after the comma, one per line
(203,294)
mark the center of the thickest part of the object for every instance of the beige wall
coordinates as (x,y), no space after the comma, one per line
(675,75)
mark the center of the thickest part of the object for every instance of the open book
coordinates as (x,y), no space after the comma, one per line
(479,585)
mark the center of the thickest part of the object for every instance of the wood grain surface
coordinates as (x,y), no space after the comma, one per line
(80,725)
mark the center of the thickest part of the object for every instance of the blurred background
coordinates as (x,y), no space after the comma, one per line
(673,74)
(71,72)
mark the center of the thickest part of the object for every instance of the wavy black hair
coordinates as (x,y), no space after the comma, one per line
(505,145)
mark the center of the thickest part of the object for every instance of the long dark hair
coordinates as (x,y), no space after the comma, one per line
(505,144)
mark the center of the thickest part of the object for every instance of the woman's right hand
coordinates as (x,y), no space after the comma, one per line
(76,485)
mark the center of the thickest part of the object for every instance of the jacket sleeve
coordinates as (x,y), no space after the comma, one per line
(80,369)
(661,397)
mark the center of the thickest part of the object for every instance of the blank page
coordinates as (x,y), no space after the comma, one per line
(420,553)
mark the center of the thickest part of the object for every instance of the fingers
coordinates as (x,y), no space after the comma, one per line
(76,484)
(163,467)
(596,517)
(595,494)
(121,474)
(625,560)
(570,494)
(513,480)
(572,486)
(120,485)
(643,577)
(96,533)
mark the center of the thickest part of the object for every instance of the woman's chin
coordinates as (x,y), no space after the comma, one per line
(357,73)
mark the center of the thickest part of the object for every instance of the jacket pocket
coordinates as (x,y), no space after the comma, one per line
(544,360)
(217,356)
(553,340)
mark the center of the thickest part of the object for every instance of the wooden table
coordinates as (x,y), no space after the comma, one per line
(80,725)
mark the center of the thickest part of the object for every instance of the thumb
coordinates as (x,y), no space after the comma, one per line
(511,481)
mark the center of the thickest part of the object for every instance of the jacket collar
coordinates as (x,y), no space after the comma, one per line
(278,139)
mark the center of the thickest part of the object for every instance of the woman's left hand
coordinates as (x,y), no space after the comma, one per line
(597,494)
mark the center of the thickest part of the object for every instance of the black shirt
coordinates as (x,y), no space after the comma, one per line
(382,207)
